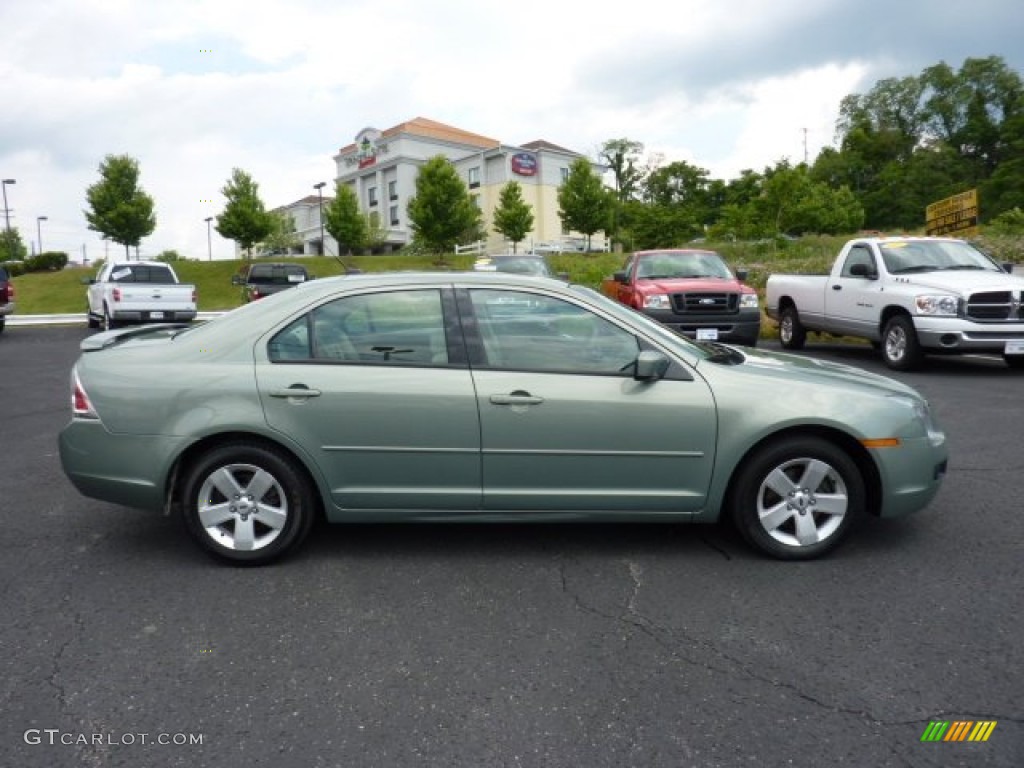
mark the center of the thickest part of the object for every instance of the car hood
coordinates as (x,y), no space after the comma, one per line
(683,284)
(964,282)
(815,372)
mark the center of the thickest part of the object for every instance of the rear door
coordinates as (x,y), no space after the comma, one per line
(375,387)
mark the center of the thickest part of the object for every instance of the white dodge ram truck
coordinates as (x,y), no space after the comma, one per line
(909,296)
(138,292)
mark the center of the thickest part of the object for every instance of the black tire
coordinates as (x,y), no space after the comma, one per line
(792,333)
(793,523)
(1014,361)
(901,350)
(3,322)
(243,524)
(109,323)
(91,320)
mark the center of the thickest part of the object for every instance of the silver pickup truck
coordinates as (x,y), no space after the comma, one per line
(909,296)
(138,292)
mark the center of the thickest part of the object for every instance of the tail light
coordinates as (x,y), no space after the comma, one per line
(10,291)
(116,294)
(195,296)
(81,405)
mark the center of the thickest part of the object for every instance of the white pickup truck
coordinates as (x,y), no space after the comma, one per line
(909,296)
(138,292)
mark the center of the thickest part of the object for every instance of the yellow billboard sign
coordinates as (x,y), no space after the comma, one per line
(956,215)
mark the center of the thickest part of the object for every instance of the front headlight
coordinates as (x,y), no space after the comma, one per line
(748,301)
(937,305)
(656,301)
(923,415)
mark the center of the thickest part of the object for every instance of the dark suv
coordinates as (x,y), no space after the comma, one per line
(264,279)
(6,297)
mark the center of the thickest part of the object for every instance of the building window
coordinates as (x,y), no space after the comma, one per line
(394,215)
(392,190)
(372,195)
(565,174)
(474,177)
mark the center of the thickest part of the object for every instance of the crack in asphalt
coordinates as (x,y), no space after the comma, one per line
(674,640)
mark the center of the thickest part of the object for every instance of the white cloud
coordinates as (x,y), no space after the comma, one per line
(193,88)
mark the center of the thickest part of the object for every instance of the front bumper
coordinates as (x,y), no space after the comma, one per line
(7,309)
(742,327)
(911,475)
(955,335)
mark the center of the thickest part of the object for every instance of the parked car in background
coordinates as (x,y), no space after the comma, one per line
(138,292)
(483,396)
(6,297)
(908,296)
(261,280)
(691,291)
(520,264)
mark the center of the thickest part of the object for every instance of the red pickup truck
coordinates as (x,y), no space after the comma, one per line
(690,291)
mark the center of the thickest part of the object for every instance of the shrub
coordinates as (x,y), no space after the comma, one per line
(48,261)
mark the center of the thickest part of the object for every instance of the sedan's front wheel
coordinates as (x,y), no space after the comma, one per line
(247,504)
(796,499)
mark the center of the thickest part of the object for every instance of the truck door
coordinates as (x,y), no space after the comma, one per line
(853,302)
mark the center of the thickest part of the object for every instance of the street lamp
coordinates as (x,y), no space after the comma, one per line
(320,194)
(209,239)
(39,230)
(7,211)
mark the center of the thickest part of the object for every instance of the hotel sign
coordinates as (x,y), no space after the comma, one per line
(524,164)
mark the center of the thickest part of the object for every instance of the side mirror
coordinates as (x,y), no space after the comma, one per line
(650,366)
(741,275)
(621,277)
(863,270)
(87,281)
(1008,267)
(237,280)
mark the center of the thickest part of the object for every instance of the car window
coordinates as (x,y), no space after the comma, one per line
(141,273)
(384,328)
(276,274)
(527,331)
(859,254)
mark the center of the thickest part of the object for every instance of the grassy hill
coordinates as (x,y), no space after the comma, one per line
(63,292)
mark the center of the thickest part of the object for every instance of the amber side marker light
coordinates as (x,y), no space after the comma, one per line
(881,442)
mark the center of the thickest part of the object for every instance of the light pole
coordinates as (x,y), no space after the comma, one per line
(39,230)
(7,211)
(319,187)
(209,239)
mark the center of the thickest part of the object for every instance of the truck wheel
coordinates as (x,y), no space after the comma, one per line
(792,333)
(247,504)
(900,348)
(3,322)
(90,320)
(109,323)
(798,498)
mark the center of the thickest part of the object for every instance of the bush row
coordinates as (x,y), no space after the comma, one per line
(48,261)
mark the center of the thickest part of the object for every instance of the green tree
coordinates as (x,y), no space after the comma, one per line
(622,156)
(119,209)
(513,217)
(282,237)
(584,204)
(442,213)
(343,220)
(11,246)
(244,219)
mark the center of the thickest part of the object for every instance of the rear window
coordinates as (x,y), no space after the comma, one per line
(142,273)
(274,274)
(3,275)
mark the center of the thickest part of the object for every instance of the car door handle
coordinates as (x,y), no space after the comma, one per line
(837,287)
(516,398)
(296,390)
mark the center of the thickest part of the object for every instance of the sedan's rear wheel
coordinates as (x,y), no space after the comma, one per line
(797,499)
(247,504)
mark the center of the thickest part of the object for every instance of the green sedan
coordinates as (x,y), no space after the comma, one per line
(483,397)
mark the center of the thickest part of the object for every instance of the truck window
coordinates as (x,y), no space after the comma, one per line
(141,273)
(859,254)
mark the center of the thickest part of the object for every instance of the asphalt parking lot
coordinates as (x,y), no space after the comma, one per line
(123,645)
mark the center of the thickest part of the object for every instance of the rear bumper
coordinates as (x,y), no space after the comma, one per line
(154,316)
(7,309)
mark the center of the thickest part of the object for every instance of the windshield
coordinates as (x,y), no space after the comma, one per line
(902,257)
(692,264)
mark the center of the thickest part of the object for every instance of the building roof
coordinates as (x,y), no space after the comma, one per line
(307,200)
(538,144)
(422,126)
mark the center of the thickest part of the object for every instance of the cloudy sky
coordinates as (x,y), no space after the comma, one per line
(193,89)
